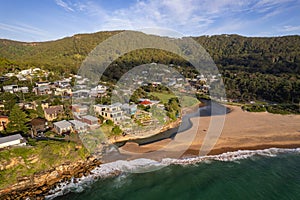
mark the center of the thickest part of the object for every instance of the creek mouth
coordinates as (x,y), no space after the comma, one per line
(210,108)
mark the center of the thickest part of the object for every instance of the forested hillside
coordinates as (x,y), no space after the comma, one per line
(252,67)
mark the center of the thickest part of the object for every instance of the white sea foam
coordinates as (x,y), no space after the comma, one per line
(142,165)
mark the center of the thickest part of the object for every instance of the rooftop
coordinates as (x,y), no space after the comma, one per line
(54,109)
(38,121)
(145,102)
(89,117)
(77,123)
(63,124)
(10,138)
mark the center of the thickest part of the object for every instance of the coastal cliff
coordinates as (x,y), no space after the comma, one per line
(38,185)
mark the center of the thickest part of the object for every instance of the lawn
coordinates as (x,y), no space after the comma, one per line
(186,101)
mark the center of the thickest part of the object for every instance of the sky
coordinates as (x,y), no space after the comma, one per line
(43,20)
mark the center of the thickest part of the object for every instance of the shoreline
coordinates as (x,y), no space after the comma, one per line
(242,131)
(36,188)
(270,131)
(250,148)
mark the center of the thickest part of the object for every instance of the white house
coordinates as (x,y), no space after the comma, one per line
(25,72)
(79,126)
(112,112)
(10,88)
(62,127)
(12,140)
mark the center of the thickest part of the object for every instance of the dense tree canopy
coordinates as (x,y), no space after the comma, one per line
(17,121)
(252,67)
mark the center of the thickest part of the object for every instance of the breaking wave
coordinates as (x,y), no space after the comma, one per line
(117,168)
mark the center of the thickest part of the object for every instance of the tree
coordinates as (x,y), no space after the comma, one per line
(40,111)
(17,121)
(116,130)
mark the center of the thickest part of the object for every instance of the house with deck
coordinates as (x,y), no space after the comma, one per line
(112,112)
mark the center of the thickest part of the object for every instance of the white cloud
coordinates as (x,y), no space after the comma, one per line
(193,17)
(64,5)
(22,28)
(289,28)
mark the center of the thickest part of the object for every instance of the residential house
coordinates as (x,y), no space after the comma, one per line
(63,83)
(62,127)
(28,106)
(38,125)
(53,112)
(79,109)
(83,81)
(129,109)
(63,91)
(93,122)
(23,89)
(3,78)
(3,122)
(78,126)
(12,140)
(112,112)
(21,77)
(41,84)
(42,90)
(9,74)
(44,105)
(10,88)
(81,94)
(98,91)
(25,72)
(35,70)
(147,102)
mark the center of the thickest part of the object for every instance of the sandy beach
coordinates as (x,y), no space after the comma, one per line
(242,131)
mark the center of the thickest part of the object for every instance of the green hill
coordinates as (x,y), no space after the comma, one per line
(252,67)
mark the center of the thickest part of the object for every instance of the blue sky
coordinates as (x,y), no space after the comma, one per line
(41,20)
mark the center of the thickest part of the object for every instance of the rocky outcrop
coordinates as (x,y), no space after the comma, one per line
(37,185)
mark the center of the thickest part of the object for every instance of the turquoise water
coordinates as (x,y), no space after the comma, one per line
(256,177)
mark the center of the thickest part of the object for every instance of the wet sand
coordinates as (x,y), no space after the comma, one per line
(241,131)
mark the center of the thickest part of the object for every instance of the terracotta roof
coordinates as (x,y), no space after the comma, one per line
(145,102)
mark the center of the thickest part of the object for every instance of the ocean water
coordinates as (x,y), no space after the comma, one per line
(265,174)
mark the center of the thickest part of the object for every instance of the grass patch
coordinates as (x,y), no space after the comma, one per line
(107,129)
(31,159)
(163,96)
(186,101)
